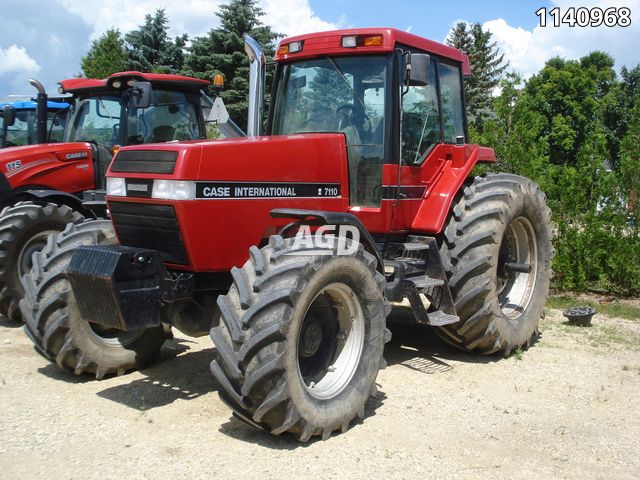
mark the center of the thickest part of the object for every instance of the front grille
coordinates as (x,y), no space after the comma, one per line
(144,161)
(149,226)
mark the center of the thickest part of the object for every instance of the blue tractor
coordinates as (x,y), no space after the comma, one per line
(22,122)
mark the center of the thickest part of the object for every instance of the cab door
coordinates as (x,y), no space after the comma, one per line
(432,123)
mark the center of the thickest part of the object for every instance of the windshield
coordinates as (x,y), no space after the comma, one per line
(23,131)
(172,115)
(345,95)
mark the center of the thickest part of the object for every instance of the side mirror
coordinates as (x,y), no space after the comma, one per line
(9,115)
(141,95)
(418,69)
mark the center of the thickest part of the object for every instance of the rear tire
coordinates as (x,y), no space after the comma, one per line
(300,339)
(53,321)
(496,220)
(24,228)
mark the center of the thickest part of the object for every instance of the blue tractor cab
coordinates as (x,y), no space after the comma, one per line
(19,122)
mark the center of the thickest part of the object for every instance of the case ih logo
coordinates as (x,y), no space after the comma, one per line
(221,190)
(326,240)
(75,156)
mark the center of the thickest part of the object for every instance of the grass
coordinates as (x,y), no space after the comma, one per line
(612,309)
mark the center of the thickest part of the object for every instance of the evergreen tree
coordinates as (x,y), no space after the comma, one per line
(105,56)
(150,49)
(222,51)
(487,66)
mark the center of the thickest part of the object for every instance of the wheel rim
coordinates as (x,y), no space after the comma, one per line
(515,289)
(330,341)
(34,244)
(112,336)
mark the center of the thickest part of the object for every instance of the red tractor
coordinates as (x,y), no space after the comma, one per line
(289,247)
(46,186)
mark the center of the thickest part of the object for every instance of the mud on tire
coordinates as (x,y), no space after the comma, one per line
(300,339)
(24,228)
(53,321)
(498,219)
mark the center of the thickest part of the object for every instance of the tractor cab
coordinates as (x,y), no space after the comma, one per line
(132,108)
(398,100)
(18,122)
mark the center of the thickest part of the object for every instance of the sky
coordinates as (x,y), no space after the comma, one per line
(45,39)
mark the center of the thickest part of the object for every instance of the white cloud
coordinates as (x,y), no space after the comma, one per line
(16,60)
(528,50)
(194,17)
(293,17)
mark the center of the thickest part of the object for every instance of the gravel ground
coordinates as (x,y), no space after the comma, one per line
(566,408)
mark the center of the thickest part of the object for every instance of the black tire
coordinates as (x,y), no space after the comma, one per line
(257,339)
(24,228)
(497,216)
(53,321)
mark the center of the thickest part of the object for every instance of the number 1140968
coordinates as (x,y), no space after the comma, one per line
(585,17)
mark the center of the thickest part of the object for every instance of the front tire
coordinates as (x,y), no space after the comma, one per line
(499,222)
(300,338)
(53,320)
(24,228)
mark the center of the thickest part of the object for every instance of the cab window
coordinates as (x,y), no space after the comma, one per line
(452,104)
(420,120)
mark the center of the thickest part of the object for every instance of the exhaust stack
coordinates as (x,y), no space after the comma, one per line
(41,111)
(257,72)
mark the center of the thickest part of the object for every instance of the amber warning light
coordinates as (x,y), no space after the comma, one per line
(218,81)
(293,47)
(352,41)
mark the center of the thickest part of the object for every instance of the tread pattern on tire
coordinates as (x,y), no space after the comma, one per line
(469,246)
(13,219)
(45,306)
(249,339)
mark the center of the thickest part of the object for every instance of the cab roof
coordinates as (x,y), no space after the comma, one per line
(86,85)
(330,43)
(31,105)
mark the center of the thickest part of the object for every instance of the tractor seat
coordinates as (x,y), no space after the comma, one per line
(163,133)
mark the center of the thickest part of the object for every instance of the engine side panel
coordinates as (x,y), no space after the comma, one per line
(239,181)
(67,167)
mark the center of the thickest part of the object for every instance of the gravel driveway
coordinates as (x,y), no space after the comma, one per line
(566,408)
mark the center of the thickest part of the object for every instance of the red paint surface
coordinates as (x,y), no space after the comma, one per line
(330,43)
(47,166)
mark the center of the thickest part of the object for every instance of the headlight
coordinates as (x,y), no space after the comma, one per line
(116,187)
(174,190)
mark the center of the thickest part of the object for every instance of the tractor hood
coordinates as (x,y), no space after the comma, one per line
(57,166)
(157,193)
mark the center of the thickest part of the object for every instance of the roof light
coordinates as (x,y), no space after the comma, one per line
(292,47)
(218,81)
(117,84)
(131,83)
(295,47)
(283,49)
(372,41)
(350,41)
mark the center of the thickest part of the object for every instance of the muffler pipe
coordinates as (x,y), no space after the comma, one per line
(41,111)
(257,73)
